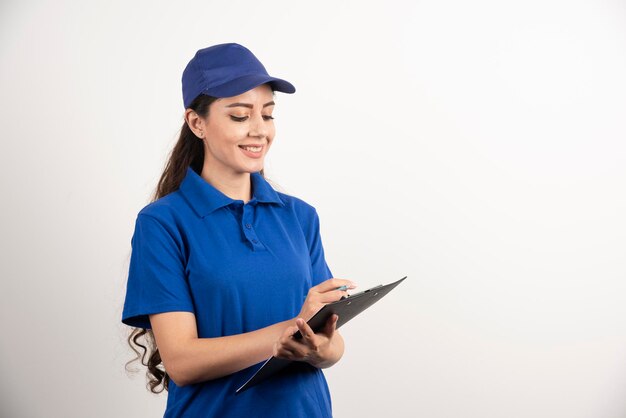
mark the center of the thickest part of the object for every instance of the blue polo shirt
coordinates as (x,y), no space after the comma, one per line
(238,267)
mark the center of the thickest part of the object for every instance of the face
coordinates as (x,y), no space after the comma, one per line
(238,132)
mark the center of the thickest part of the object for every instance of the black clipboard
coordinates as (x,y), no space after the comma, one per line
(346,309)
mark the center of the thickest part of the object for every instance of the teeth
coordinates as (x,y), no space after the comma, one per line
(253,149)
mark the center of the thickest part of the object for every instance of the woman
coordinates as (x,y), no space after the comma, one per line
(224,269)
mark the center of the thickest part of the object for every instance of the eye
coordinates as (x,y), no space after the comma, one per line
(268,117)
(238,118)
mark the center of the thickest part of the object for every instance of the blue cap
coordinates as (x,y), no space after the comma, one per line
(226,70)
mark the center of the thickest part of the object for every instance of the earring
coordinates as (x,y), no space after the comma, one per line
(201,134)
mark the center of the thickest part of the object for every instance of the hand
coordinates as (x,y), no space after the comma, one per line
(320,350)
(322,294)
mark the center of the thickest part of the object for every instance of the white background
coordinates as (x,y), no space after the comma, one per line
(477,147)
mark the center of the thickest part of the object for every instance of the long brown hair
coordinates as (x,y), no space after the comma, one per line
(188,152)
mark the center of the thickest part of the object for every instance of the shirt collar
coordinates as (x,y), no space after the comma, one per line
(205,198)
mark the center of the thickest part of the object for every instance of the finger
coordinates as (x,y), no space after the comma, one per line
(283,352)
(305,329)
(330,326)
(288,333)
(310,339)
(332,284)
(331,296)
(335,283)
(296,350)
(279,349)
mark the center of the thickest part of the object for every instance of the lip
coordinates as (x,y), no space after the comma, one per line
(250,153)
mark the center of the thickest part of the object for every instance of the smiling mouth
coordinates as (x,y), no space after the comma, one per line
(251,148)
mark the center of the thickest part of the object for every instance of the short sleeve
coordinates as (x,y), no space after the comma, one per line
(156,277)
(320,270)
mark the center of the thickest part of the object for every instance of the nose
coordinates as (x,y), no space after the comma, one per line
(258,127)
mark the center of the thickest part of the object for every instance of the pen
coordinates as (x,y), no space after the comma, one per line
(344,287)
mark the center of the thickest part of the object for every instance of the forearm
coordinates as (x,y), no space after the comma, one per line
(201,359)
(189,359)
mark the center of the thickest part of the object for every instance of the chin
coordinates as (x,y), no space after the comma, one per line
(252,169)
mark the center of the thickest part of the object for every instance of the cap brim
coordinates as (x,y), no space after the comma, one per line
(241,85)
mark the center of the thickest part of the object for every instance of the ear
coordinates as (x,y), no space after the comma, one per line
(195,123)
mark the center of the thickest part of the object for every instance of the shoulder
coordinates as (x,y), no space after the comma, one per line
(301,208)
(304,212)
(167,211)
(163,221)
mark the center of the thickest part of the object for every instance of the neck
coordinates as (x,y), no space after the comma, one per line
(237,186)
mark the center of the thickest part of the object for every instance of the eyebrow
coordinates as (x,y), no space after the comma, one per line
(248,105)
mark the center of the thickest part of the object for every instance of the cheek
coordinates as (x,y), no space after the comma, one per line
(271,134)
(270,142)
(231,133)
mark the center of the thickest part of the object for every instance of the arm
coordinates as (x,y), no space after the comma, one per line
(189,359)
